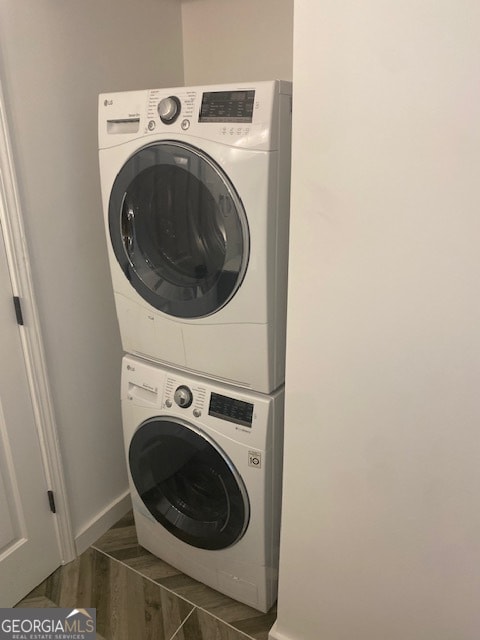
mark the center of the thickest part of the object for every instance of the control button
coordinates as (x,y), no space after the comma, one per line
(183,397)
(185,124)
(151,125)
(168,403)
(169,109)
(197,413)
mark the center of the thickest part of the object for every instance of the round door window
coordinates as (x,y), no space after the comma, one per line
(188,484)
(178,230)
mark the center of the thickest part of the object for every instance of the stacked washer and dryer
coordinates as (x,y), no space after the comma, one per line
(195,187)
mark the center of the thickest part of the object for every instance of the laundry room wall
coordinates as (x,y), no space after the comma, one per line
(55,59)
(231,41)
(380,531)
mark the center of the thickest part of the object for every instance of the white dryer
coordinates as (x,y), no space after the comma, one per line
(205,464)
(195,185)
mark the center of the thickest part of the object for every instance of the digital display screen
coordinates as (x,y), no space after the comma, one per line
(227,106)
(236,411)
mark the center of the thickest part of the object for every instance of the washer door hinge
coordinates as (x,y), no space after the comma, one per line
(18,310)
(51,501)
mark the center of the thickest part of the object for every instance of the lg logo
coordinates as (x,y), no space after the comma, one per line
(107,103)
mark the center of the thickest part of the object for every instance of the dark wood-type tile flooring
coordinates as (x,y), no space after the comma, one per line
(139,597)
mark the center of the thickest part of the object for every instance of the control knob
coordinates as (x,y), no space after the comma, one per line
(183,397)
(169,109)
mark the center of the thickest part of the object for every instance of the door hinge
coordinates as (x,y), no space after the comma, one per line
(18,310)
(51,501)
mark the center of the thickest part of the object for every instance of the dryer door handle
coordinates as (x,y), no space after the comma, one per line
(128,229)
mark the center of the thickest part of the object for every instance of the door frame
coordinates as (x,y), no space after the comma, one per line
(11,221)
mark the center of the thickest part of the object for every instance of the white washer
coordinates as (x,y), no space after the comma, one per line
(205,464)
(195,185)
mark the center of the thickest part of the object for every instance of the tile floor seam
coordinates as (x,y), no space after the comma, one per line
(172,638)
(174,593)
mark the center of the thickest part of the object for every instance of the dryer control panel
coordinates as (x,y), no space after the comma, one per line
(249,116)
(227,106)
(236,116)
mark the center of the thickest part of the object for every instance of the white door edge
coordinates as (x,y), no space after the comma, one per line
(32,344)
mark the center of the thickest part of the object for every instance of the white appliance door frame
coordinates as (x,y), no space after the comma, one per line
(178,229)
(188,483)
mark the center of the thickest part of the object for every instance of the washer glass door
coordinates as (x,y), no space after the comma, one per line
(188,484)
(178,229)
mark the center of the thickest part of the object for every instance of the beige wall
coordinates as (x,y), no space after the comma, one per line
(231,41)
(55,59)
(380,532)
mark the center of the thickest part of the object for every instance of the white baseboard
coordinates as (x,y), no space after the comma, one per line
(102,522)
(277,635)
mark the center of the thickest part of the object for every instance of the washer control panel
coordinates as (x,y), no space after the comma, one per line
(231,409)
(244,416)
(199,400)
(183,396)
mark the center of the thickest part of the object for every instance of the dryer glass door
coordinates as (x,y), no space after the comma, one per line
(188,484)
(178,229)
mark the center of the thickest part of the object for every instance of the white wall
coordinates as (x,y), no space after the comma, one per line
(231,41)
(55,59)
(381,525)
